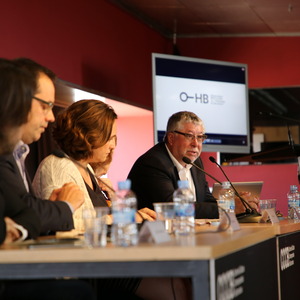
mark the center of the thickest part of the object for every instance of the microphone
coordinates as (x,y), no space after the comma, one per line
(60,154)
(189,162)
(251,215)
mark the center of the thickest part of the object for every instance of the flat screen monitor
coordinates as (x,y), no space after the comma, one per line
(217,91)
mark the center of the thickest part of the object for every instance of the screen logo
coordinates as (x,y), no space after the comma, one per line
(202,98)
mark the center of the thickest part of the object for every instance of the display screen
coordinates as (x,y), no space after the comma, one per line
(216,91)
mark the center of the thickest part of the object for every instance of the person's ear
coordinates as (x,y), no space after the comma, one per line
(170,138)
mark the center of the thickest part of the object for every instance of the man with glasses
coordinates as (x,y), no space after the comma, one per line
(16,218)
(155,174)
(54,215)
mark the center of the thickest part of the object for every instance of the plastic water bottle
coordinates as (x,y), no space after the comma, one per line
(184,209)
(293,198)
(124,228)
(226,197)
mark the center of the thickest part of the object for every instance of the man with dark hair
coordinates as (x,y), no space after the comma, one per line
(16,90)
(43,101)
(54,215)
(17,220)
(12,116)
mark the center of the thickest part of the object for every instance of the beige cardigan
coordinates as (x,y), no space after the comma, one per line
(52,173)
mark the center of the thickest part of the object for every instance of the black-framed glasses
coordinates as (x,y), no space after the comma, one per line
(47,105)
(200,138)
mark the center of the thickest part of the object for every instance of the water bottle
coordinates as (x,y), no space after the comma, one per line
(184,209)
(124,229)
(293,198)
(226,197)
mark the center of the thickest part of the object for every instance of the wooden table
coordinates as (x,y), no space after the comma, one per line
(196,257)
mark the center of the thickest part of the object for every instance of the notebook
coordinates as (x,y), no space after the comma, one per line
(254,187)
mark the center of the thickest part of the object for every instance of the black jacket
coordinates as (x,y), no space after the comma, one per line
(154,179)
(12,205)
(53,215)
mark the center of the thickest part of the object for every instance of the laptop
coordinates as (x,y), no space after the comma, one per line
(254,187)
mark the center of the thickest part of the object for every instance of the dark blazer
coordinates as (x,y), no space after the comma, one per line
(154,179)
(54,215)
(11,205)
(2,223)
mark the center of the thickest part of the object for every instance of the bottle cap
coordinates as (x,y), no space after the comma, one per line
(183,184)
(124,185)
(293,187)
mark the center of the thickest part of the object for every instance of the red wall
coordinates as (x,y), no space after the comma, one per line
(91,43)
(272,61)
(135,137)
(95,44)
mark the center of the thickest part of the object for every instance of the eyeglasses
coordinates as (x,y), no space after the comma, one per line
(200,138)
(47,105)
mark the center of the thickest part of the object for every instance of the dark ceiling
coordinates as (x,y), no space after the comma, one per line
(219,18)
(200,18)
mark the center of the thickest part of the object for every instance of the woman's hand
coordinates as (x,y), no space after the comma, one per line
(107,186)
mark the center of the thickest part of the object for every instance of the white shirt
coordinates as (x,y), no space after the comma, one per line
(20,153)
(183,172)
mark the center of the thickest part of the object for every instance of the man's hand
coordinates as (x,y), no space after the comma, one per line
(54,194)
(12,233)
(252,200)
(69,192)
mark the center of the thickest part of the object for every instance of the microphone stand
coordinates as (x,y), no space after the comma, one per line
(251,215)
(189,162)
